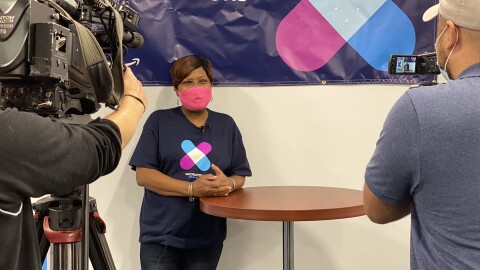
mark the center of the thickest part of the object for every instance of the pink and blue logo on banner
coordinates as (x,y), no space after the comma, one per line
(278,42)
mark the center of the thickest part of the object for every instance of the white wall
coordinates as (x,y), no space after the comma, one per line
(302,135)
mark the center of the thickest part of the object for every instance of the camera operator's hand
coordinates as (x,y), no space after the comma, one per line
(133,88)
(131,107)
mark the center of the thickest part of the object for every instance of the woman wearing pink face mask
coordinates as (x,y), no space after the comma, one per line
(184,153)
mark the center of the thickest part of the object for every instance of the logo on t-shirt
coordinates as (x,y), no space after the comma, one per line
(195,155)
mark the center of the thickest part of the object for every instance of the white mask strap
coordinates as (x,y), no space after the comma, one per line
(450,54)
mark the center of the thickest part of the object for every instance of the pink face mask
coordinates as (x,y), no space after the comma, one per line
(195,98)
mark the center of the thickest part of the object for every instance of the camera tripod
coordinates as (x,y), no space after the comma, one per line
(73,228)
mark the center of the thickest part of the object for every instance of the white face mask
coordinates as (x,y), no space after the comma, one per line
(444,70)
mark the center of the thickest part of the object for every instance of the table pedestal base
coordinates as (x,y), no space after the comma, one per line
(298,203)
(288,243)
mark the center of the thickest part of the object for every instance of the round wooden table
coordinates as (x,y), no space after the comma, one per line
(287,204)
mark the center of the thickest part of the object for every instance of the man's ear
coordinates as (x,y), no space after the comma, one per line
(452,35)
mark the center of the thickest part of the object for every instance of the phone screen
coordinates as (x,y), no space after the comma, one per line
(406,64)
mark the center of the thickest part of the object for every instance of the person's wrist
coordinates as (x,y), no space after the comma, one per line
(191,197)
(233,183)
(137,99)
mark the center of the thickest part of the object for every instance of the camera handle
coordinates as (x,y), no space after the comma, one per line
(59,222)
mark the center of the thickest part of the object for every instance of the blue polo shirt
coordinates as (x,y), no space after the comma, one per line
(429,152)
(171,144)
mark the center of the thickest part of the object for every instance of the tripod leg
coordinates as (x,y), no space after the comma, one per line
(99,252)
(65,256)
(42,240)
(58,223)
(66,246)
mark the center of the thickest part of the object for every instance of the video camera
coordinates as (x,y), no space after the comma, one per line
(421,64)
(64,57)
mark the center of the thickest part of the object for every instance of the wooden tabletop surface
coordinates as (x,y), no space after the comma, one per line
(287,203)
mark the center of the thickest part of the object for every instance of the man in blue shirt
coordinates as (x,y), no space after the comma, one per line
(427,159)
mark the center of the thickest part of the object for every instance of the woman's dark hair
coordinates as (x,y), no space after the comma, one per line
(185,65)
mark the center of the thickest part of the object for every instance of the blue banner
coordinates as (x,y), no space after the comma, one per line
(280,42)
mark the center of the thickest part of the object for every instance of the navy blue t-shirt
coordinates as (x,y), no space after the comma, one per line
(173,145)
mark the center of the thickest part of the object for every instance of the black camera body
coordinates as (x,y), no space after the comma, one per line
(421,64)
(44,62)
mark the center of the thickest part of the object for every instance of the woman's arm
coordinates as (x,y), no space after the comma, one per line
(235,181)
(161,183)
(206,185)
(238,180)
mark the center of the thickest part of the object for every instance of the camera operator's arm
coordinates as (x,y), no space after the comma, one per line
(42,155)
(131,107)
